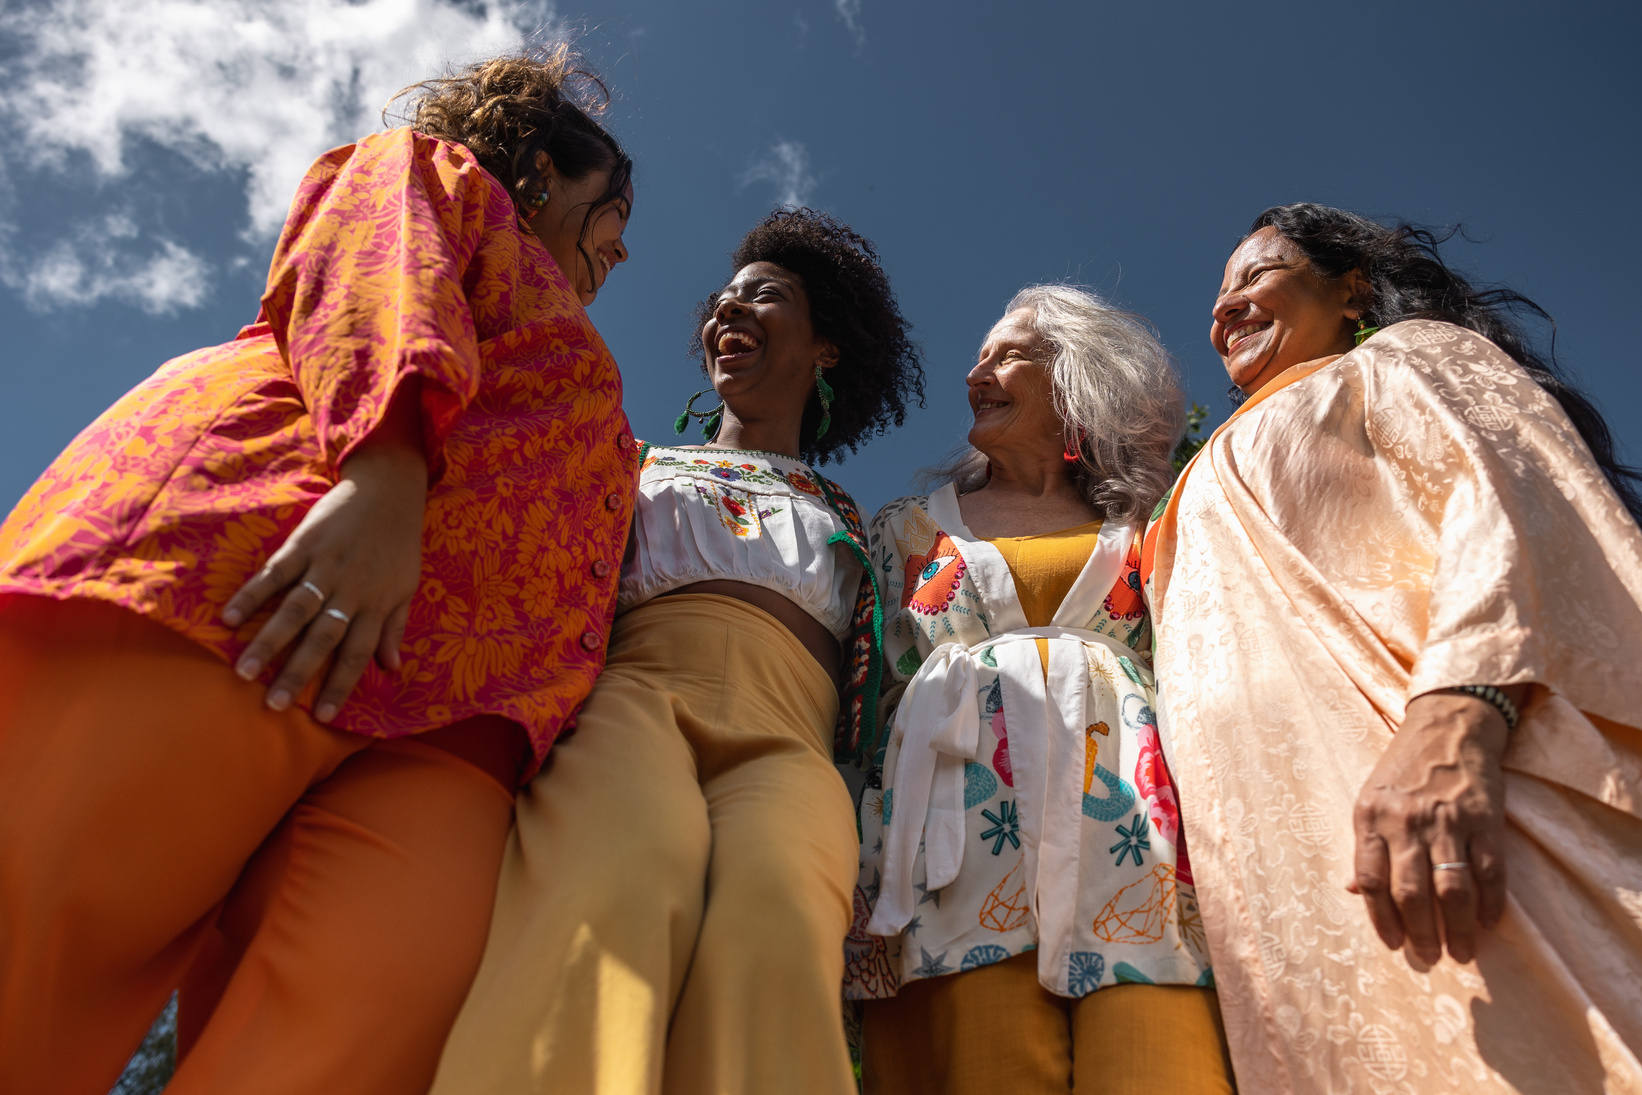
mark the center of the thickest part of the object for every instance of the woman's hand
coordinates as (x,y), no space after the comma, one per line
(1436,797)
(349,570)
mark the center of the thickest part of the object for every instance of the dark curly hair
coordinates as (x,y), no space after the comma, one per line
(851,305)
(507,109)
(1409,280)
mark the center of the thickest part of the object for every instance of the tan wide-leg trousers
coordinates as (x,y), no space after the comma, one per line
(673,904)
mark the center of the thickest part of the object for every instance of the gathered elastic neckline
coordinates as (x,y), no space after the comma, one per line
(1069,530)
(744,452)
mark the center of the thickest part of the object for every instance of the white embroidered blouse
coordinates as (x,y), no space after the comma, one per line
(756,517)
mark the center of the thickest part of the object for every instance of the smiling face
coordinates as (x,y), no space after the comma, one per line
(586,248)
(761,347)
(1275,311)
(1010,392)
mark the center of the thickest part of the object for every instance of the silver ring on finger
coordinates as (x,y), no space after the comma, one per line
(315,590)
(1461,866)
(337,614)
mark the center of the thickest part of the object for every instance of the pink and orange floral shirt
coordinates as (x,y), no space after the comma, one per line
(401,257)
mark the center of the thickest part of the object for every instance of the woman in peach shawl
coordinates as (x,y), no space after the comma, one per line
(1399,609)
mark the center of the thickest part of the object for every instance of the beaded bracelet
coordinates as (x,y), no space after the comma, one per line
(1488,693)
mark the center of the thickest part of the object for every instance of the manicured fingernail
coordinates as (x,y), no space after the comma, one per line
(248,668)
(233,617)
(279,699)
(325,712)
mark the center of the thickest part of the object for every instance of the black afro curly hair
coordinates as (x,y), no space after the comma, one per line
(851,305)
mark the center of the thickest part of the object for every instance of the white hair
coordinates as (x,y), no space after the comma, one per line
(1117,393)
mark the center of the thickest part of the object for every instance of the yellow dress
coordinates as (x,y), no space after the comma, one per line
(1044,567)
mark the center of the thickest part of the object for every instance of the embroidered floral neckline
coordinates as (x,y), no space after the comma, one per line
(720,464)
(705,449)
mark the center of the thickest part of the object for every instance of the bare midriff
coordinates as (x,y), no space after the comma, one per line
(805,628)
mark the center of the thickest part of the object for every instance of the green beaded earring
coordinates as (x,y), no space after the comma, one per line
(1363,331)
(824,390)
(709,419)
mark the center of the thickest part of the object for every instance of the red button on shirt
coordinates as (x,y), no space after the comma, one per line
(624,442)
(590,640)
(600,568)
(612,501)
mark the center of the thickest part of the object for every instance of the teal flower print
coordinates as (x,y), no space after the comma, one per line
(1083,972)
(983,955)
(1006,825)
(1135,840)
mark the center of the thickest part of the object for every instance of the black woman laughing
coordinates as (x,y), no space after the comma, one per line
(672,913)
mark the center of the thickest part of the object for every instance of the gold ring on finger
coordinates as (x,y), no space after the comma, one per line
(337,614)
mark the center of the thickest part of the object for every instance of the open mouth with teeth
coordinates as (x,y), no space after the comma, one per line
(985,405)
(734,345)
(1236,335)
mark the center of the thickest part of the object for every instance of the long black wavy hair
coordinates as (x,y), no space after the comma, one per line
(879,372)
(1409,280)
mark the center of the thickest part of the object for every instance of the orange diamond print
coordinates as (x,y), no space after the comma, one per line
(1139,912)
(1006,907)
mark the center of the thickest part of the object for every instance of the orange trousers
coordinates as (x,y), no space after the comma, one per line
(995,1029)
(320,897)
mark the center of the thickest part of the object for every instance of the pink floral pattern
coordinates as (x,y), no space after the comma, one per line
(401,257)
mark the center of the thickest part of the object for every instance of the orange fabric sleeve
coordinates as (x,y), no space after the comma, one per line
(367,286)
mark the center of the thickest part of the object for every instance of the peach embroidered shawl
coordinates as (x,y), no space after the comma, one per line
(1414,515)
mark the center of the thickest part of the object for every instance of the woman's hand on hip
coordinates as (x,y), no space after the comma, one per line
(348,571)
(1430,825)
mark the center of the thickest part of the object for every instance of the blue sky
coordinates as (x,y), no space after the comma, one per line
(982,146)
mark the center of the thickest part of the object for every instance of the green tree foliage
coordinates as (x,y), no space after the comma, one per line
(1194,438)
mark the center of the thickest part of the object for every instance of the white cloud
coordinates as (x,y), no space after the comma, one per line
(787,165)
(850,12)
(92,264)
(253,86)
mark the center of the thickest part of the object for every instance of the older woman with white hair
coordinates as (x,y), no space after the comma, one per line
(1021,834)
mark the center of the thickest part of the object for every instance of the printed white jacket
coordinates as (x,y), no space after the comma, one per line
(1006,809)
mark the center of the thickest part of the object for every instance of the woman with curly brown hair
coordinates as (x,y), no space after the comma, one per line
(416,453)
(672,912)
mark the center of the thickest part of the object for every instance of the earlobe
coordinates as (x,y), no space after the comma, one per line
(1359,295)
